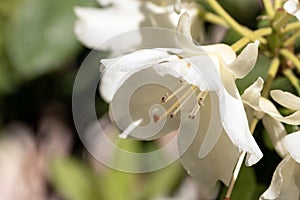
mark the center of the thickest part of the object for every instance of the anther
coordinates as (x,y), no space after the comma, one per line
(194,112)
(201,97)
(174,109)
(164,97)
(174,113)
(156,118)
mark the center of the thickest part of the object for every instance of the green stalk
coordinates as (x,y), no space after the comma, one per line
(289,74)
(271,75)
(212,18)
(292,39)
(291,57)
(291,26)
(269,8)
(252,37)
(230,21)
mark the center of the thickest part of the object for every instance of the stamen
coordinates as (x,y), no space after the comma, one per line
(194,112)
(167,98)
(174,113)
(164,97)
(175,106)
(201,97)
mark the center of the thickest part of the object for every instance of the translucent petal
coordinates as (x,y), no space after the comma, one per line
(184,37)
(252,94)
(118,69)
(224,52)
(276,132)
(286,99)
(233,113)
(95,26)
(231,108)
(284,184)
(293,119)
(245,62)
(268,107)
(291,6)
(106,2)
(139,99)
(292,145)
(219,163)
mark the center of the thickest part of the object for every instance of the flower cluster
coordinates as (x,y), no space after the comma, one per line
(192,89)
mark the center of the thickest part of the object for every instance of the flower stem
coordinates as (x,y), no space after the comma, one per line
(239,163)
(290,56)
(245,40)
(291,26)
(269,8)
(230,21)
(271,75)
(281,21)
(277,4)
(238,45)
(212,18)
(235,175)
(292,39)
(293,79)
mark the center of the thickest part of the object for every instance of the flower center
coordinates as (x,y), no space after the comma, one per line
(184,92)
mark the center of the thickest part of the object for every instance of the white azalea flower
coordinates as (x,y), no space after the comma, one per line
(292,7)
(289,101)
(286,178)
(262,108)
(96,25)
(216,114)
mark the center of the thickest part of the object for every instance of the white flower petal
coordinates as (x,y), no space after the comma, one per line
(286,99)
(224,52)
(291,6)
(214,129)
(117,69)
(276,132)
(220,161)
(292,145)
(137,99)
(293,119)
(184,37)
(95,26)
(177,6)
(231,107)
(245,62)
(233,113)
(106,2)
(283,185)
(268,107)
(251,96)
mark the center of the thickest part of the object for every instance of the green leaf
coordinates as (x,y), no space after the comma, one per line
(162,182)
(267,140)
(40,38)
(245,186)
(74,180)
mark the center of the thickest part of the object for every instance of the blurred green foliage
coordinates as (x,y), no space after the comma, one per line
(36,37)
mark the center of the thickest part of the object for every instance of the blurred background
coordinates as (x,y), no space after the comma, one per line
(41,156)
